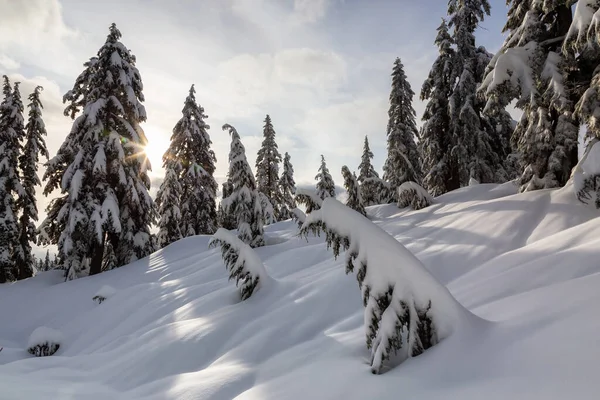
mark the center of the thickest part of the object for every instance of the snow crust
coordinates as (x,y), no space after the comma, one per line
(526,263)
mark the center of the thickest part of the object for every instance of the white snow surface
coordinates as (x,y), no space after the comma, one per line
(526,263)
(106,291)
(43,335)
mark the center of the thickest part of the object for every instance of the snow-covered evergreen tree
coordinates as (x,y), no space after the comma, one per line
(101,169)
(287,190)
(47,264)
(368,178)
(309,198)
(226,219)
(244,200)
(168,201)
(530,68)
(406,309)
(325,184)
(472,136)
(441,172)
(267,166)
(33,148)
(11,132)
(354,200)
(190,145)
(411,194)
(188,194)
(402,163)
(241,261)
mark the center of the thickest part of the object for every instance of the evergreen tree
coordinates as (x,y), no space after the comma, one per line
(267,166)
(530,68)
(402,163)
(226,219)
(167,202)
(33,148)
(11,131)
(354,200)
(287,190)
(436,141)
(244,200)
(368,178)
(190,144)
(325,184)
(472,148)
(47,265)
(101,168)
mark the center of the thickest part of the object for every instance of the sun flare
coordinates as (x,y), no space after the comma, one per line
(158,143)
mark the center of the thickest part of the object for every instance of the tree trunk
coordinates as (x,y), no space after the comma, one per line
(97,254)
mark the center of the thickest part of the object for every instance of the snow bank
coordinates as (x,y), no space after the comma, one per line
(104,293)
(44,342)
(413,195)
(241,261)
(404,305)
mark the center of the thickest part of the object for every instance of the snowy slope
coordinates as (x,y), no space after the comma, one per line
(174,327)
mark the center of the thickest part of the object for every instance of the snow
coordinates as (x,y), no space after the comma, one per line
(105,292)
(525,264)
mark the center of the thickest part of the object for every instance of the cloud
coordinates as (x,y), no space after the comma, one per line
(308,11)
(8,63)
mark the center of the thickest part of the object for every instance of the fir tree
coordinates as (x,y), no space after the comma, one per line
(436,141)
(167,202)
(101,168)
(287,190)
(325,184)
(267,165)
(354,200)
(47,266)
(191,147)
(402,163)
(226,219)
(530,68)
(33,148)
(244,200)
(472,150)
(368,178)
(11,131)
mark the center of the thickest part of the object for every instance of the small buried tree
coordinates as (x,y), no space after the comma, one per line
(405,307)
(241,261)
(413,195)
(309,199)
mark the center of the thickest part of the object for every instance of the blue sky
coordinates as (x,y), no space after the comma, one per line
(320,68)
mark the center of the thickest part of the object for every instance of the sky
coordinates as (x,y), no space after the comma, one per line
(320,68)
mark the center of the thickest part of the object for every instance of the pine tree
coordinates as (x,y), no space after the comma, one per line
(354,200)
(472,136)
(287,190)
(325,184)
(436,141)
(190,144)
(267,166)
(168,201)
(11,131)
(47,265)
(402,163)
(530,68)
(33,148)
(368,178)
(101,168)
(226,219)
(244,201)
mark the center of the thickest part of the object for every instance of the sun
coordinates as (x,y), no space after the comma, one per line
(158,143)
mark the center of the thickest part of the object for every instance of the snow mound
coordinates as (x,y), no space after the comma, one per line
(309,198)
(104,293)
(413,195)
(44,342)
(404,305)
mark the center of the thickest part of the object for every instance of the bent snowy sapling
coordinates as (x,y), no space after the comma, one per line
(405,307)
(241,261)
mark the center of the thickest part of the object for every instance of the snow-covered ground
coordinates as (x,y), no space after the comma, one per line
(174,328)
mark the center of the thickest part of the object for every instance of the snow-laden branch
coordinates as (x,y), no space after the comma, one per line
(309,198)
(405,307)
(241,261)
